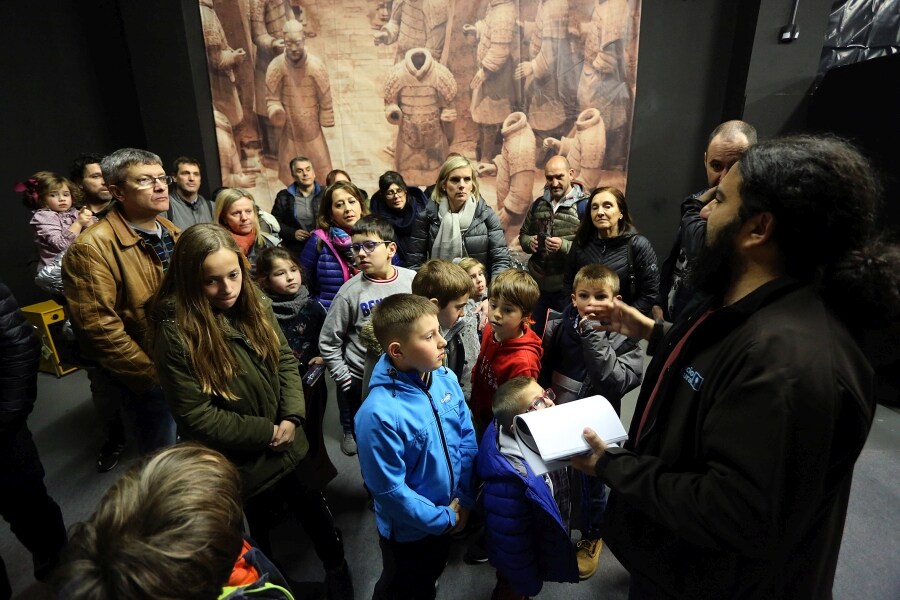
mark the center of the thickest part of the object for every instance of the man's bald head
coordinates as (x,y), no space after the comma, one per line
(559,175)
(726,144)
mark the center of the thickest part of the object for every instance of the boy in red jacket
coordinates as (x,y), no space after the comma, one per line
(509,348)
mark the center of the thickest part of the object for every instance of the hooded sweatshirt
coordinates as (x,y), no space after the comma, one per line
(499,362)
(416,450)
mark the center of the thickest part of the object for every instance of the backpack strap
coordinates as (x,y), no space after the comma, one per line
(632,279)
(324,237)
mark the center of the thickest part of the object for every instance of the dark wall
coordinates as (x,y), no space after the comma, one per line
(67,89)
(165,41)
(780,78)
(684,59)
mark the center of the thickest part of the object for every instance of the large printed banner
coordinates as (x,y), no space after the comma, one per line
(371,86)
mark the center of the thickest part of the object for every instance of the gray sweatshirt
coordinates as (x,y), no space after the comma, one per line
(339,344)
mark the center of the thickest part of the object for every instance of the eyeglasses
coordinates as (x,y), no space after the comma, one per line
(369,246)
(391,194)
(543,401)
(146,181)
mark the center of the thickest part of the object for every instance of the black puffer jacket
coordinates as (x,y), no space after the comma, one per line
(613,252)
(403,220)
(483,240)
(20,353)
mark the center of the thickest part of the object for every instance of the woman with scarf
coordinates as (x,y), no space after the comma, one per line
(400,204)
(327,259)
(236,211)
(459,223)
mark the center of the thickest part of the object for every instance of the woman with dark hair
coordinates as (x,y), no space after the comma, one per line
(458,222)
(400,204)
(232,383)
(327,259)
(607,236)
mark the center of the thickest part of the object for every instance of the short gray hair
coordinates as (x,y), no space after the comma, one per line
(114,165)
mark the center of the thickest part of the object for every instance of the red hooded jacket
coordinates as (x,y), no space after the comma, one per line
(497,363)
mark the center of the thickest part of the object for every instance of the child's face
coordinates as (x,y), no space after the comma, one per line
(536,398)
(590,297)
(284,278)
(478,280)
(452,312)
(423,350)
(506,319)
(221,278)
(377,261)
(59,200)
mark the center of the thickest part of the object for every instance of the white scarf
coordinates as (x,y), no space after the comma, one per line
(448,243)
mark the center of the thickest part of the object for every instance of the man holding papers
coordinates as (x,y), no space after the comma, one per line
(735,479)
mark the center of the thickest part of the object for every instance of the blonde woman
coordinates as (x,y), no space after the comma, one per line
(457,222)
(236,211)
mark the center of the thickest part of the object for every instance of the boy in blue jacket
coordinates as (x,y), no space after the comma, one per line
(416,448)
(527,541)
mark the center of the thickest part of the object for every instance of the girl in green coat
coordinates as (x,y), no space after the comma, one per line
(232,383)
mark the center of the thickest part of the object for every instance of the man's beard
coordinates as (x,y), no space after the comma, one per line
(718,261)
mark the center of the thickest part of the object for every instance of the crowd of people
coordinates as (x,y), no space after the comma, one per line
(206,326)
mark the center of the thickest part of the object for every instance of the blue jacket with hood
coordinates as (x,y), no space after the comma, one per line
(526,539)
(416,450)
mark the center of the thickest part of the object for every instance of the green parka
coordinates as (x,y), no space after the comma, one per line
(240,429)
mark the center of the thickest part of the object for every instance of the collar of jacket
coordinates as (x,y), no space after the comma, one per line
(127,236)
(575,195)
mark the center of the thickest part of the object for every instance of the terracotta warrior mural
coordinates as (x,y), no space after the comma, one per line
(369,86)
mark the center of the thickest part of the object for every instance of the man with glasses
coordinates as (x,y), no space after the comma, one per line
(110,272)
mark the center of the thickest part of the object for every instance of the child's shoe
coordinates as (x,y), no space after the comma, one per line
(339,583)
(588,555)
(348,444)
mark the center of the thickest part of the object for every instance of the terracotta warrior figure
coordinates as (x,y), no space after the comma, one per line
(495,93)
(298,97)
(418,97)
(551,74)
(233,174)
(586,149)
(608,73)
(514,168)
(222,60)
(415,24)
(267,19)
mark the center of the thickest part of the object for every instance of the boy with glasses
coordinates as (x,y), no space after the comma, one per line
(373,248)
(526,515)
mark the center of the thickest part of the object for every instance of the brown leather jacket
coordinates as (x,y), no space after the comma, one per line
(109,273)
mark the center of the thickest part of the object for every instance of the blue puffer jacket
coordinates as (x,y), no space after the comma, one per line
(322,270)
(416,451)
(526,539)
